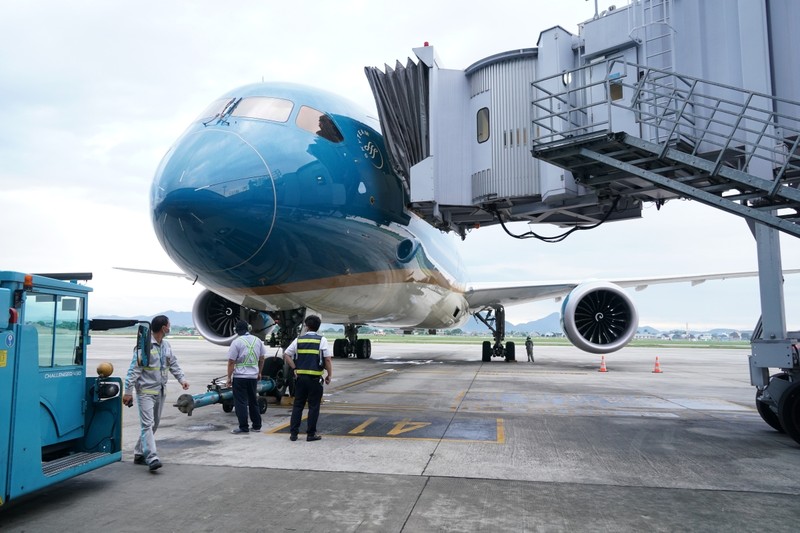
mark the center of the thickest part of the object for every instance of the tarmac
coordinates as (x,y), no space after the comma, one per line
(425,437)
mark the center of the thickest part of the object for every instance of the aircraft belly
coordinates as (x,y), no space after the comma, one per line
(412,304)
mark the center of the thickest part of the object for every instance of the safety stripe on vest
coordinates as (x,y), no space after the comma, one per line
(250,359)
(310,372)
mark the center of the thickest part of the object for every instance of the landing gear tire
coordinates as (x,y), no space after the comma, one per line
(340,348)
(767,414)
(262,404)
(227,406)
(510,355)
(487,351)
(363,348)
(789,411)
(277,369)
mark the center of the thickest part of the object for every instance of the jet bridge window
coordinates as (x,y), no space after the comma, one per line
(483,124)
(264,107)
(319,123)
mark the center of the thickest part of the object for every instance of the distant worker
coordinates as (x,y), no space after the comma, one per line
(245,363)
(529,348)
(307,356)
(148,376)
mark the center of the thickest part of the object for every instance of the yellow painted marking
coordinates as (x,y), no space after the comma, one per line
(458,399)
(360,381)
(361,428)
(501,431)
(406,425)
(3,359)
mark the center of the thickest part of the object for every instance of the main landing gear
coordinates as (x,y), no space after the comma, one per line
(495,320)
(351,344)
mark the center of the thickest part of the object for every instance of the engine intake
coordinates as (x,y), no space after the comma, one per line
(599,317)
(215,318)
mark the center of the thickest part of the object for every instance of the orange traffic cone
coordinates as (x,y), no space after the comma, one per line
(603,364)
(657,369)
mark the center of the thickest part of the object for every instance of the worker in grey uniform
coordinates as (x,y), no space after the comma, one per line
(148,375)
(245,363)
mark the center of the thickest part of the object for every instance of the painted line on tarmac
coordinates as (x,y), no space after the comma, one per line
(436,428)
(362,380)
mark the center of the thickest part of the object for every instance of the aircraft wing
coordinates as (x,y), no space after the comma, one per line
(157,272)
(490,294)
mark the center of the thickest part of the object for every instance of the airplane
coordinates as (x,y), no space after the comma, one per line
(281,201)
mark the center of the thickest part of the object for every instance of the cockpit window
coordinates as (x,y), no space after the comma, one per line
(264,107)
(214,109)
(319,123)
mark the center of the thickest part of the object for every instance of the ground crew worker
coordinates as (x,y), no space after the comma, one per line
(245,363)
(148,376)
(307,356)
(529,348)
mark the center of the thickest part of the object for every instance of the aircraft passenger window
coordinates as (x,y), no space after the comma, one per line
(264,107)
(214,109)
(318,122)
(483,124)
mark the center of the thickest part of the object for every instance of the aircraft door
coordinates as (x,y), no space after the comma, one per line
(613,81)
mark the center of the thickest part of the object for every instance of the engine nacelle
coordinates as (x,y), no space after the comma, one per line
(599,317)
(215,318)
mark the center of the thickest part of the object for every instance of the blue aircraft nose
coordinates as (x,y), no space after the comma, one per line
(213,201)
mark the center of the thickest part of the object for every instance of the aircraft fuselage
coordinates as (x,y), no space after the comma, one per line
(282,197)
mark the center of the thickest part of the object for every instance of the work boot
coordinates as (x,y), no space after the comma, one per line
(312,438)
(139,460)
(155,464)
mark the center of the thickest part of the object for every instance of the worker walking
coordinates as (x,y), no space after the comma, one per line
(529,348)
(307,356)
(245,363)
(148,375)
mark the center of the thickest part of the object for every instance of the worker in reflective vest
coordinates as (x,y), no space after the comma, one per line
(308,355)
(245,363)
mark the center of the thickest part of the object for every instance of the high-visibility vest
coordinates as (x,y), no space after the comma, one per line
(308,359)
(250,358)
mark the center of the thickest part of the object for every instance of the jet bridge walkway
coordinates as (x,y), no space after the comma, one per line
(732,149)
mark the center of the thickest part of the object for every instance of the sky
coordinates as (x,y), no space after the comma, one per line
(93,93)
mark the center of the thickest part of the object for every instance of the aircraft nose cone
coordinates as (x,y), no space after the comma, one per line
(213,201)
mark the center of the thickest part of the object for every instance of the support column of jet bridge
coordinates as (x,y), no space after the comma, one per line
(671,100)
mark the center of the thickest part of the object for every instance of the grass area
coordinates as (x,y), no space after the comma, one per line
(476,340)
(544,341)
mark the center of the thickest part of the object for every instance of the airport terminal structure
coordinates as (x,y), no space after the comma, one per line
(651,101)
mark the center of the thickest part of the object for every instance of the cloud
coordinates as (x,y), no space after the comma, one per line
(95,93)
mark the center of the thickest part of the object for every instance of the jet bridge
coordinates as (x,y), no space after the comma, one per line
(624,113)
(461,141)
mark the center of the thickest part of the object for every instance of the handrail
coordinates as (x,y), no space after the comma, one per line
(733,126)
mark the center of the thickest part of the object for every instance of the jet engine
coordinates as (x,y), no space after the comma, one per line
(599,317)
(215,319)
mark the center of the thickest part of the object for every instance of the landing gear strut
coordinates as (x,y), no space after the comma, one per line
(495,320)
(351,344)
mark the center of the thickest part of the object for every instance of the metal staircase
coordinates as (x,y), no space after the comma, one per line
(654,135)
